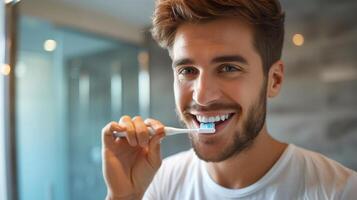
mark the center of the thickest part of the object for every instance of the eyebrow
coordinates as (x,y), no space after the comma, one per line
(230,58)
(183,61)
(219,59)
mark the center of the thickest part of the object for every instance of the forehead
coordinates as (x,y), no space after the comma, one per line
(221,36)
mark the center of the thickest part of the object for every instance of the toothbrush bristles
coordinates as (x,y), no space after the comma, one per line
(207,128)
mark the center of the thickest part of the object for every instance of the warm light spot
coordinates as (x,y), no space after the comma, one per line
(8,1)
(49,45)
(143,58)
(5,69)
(298,39)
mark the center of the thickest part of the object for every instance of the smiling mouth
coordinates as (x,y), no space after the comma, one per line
(217,120)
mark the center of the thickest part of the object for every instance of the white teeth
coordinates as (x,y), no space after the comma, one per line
(217,118)
(211,119)
(205,119)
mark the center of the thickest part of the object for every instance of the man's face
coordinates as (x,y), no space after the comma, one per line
(218,76)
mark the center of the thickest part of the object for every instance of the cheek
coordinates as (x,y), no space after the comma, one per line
(240,93)
(235,91)
(182,93)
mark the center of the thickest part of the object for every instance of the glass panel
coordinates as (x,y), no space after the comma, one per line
(3,187)
(69,85)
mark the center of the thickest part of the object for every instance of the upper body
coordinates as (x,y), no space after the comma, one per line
(298,174)
(226,62)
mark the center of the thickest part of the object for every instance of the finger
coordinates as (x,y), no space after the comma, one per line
(154,144)
(156,125)
(154,149)
(142,132)
(130,129)
(107,132)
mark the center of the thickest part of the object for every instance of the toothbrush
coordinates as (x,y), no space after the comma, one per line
(205,128)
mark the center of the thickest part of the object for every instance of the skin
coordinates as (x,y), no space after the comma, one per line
(130,164)
(207,86)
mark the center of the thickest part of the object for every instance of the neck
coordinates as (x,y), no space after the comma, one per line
(250,165)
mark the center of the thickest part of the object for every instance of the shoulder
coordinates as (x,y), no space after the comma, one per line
(172,174)
(179,163)
(321,164)
(325,175)
(188,155)
(176,167)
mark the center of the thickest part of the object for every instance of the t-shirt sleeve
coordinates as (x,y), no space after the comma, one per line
(350,191)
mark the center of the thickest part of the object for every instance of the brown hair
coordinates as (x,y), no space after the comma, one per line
(266,17)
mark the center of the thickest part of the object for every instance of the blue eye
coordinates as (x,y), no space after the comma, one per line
(229,68)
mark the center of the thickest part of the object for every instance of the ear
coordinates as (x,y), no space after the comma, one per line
(275,79)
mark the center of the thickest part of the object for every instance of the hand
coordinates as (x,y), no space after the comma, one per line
(130,163)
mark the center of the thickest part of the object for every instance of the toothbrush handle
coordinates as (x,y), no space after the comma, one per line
(175,131)
(168,131)
(122,134)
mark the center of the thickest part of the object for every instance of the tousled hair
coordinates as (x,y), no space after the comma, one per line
(265,16)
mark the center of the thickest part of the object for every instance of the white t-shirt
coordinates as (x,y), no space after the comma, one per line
(298,174)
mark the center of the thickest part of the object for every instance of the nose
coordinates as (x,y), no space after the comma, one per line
(206,90)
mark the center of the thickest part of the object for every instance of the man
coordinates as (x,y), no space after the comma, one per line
(226,62)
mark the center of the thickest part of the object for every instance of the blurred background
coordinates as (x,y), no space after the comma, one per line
(72,66)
